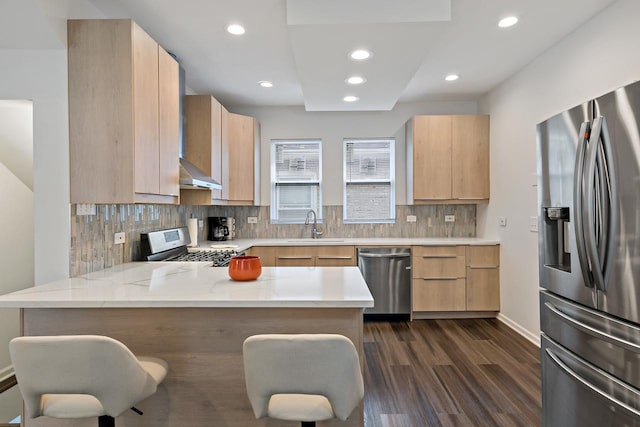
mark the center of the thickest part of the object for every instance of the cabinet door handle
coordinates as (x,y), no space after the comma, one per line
(295,257)
(483,266)
(335,257)
(439,256)
(439,278)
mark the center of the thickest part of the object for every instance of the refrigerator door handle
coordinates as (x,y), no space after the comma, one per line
(611,194)
(578,204)
(593,331)
(584,382)
(590,203)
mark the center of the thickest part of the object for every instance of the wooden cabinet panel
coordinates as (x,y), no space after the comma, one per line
(115,144)
(203,145)
(145,112)
(169,125)
(267,255)
(483,289)
(438,295)
(335,256)
(432,157)
(483,256)
(470,153)
(238,186)
(438,262)
(448,159)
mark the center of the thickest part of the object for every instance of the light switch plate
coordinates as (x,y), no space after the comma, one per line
(411,218)
(119,238)
(502,221)
(200,224)
(252,220)
(85,209)
(533,224)
(449,218)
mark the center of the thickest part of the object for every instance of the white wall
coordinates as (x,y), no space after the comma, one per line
(16,138)
(332,127)
(16,213)
(597,58)
(41,75)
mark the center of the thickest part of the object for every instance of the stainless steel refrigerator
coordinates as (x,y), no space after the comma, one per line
(589,256)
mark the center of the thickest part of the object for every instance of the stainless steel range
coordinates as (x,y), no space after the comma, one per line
(171,245)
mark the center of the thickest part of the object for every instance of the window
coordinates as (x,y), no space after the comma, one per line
(296,180)
(369,180)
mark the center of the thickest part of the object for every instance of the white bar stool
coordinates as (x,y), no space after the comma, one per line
(82,376)
(304,378)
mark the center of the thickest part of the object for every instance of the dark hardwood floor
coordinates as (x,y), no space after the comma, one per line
(470,372)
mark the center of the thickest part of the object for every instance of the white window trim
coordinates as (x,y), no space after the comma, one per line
(391,181)
(273,204)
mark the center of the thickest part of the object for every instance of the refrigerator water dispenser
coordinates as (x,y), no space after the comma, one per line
(557,253)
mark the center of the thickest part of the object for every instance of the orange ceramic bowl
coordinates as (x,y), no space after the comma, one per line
(245,267)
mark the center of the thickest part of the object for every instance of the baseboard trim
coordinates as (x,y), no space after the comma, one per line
(533,338)
(6,372)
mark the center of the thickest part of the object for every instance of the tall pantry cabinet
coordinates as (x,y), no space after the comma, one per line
(123,115)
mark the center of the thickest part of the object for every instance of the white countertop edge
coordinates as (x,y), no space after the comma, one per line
(189,304)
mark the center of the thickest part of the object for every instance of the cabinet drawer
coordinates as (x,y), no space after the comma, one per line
(335,256)
(439,295)
(483,256)
(443,262)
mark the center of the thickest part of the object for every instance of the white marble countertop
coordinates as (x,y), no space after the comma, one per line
(196,284)
(243,244)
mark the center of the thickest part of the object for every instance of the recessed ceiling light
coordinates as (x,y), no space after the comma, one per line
(235,29)
(360,54)
(356,80)
(452,77)
(508,22)
(350,98)
(265,83)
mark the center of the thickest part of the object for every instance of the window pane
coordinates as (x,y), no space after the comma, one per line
(296,180)
(368,161)
(369,180)
(368,202)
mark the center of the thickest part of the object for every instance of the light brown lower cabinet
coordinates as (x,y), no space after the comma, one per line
(456,279)
(305,256)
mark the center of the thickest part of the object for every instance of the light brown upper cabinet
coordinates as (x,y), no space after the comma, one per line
(240,159)
(203,145)
(448,159)
(123,115)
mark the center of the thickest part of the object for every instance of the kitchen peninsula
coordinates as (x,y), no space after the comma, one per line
(194,317)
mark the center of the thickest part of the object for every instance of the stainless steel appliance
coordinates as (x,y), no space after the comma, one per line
(387,272)
(218,229)
(171,245)
(589,260)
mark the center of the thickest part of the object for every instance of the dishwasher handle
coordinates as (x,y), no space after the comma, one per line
(366,255)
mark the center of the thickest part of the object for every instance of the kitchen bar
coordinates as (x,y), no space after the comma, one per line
(196,318)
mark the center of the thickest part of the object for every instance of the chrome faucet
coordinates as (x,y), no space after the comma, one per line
(315,232)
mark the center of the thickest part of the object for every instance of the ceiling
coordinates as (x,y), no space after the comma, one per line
(302,46)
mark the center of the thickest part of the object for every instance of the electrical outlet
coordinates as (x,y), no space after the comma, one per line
(119,238)
(200,224)
(411,218)
(449,218)
(85,209)
(252,220)
(533,224)
(429,222)
(502,221)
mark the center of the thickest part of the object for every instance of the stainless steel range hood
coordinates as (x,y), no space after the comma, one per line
(193,178)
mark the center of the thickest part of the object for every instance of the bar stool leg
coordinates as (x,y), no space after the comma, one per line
(106,421)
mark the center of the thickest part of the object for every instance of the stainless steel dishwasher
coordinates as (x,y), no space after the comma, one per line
(387,272)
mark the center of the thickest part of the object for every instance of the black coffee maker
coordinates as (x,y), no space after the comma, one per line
(218,229)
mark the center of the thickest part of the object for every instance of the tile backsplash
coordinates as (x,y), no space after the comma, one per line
(92,237)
